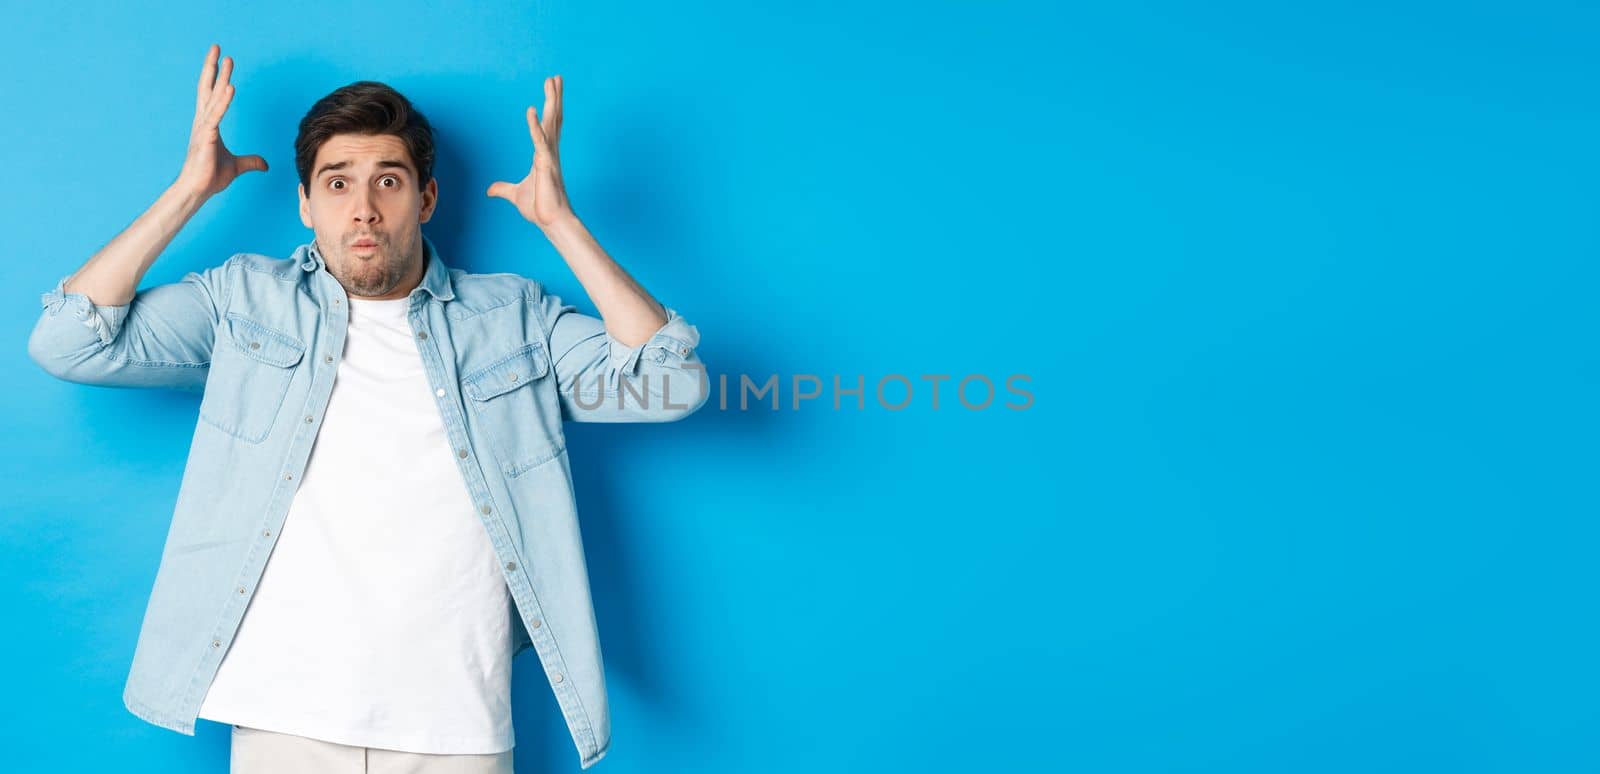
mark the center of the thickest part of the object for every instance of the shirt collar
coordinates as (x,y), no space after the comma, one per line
(435,278)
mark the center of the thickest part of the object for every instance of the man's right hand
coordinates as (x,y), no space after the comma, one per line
(209,167)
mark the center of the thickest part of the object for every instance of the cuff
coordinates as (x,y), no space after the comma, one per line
(671,345)
(105,321)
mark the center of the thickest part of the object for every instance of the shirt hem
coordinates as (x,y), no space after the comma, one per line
(379,739)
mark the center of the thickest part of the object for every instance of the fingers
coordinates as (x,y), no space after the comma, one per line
(552,108)
(208,75)
(535,131)
(503,190)
(222,78)
(215,90)
(218,107)
(252,163)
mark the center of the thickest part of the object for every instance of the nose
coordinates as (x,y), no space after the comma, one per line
(364,212)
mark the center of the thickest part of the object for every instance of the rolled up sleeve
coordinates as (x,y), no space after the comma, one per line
(602,379)
(104,321)
(161,338)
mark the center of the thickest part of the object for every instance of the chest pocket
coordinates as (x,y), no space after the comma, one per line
(251,366)
(514,399)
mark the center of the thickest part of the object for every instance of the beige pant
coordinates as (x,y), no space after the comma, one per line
(258,751)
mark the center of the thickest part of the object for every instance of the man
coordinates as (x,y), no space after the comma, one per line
(378,476)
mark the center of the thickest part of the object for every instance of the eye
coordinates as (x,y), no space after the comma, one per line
(396,181)
(336,184)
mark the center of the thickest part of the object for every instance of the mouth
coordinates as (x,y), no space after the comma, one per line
(365,244)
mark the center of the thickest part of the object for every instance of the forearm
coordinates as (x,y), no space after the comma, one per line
(111,276)
(631,315)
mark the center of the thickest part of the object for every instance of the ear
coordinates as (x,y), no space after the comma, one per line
(430,199)
(305,208)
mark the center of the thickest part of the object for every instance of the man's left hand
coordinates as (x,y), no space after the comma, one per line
(541,197)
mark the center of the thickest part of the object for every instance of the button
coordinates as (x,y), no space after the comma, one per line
(327,358)
(513,377)
(216,643)
(556,677)
(422,334)
(537,623)
(485,509)
(511,565)
(255,345)
(266,533)
(336,302)
(462,453)
(241,589)
(308,419)
(288,477)
(439,392)
(683,350)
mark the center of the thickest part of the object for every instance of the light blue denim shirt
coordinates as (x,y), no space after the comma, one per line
(262,338)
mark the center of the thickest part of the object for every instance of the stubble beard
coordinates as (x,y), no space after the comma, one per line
(375,275)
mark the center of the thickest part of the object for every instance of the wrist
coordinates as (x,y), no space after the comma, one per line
(564,227)
(187,197)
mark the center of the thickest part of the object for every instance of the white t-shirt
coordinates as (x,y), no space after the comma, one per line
(381,619)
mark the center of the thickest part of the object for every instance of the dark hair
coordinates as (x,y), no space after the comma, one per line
(364,107)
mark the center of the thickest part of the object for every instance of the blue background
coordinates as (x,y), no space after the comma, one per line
(1306,296)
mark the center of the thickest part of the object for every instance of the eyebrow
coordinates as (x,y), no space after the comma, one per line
(337,165)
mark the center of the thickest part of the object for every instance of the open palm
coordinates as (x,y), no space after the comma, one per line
(541,197)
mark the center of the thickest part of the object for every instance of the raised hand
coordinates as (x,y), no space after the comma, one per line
(541,197)
(209,167)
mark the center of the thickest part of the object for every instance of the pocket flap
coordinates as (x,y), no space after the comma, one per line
(262,343)
(507,373)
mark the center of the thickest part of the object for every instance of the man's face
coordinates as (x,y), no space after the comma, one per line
(367,212)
